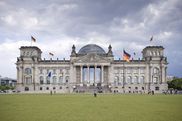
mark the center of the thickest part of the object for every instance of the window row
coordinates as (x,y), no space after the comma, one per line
(129,80)
(49,80)
(54,80)
(155,53)
(54,71)
(46,88)
(130,70)
(134,80)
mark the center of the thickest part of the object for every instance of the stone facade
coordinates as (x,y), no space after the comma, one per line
(91,69)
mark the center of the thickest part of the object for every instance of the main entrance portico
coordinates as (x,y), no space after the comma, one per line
(92,74)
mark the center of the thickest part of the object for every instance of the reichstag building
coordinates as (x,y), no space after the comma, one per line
(91,69)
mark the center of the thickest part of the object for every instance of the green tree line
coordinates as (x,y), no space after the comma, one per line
(176,83)
(6,88)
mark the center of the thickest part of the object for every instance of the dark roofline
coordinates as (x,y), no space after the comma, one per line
(66,61)
(150,47)
(78,55)
(130,61)
(33,47)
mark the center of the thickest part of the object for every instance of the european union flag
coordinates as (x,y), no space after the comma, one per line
(49,75)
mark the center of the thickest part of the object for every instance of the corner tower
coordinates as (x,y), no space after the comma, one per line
(156,67)
(26,64)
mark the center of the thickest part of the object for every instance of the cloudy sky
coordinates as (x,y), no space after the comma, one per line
(58,24)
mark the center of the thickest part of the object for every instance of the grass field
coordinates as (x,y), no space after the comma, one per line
(44,107)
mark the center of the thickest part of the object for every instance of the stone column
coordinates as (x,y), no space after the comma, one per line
(150,81)
(124,76)
(33,77)
(151,75)
(88,73)
(102,71)
(22,71)
(146,79)
(163,74)
(74,73)
(18,78)
(81,74)
(95,67)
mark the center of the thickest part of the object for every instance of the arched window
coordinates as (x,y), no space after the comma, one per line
(67,79)
(61,80)
(129,80)
(121,81)
(28,71)
(41,80)
(116,80)
(156,70)
(28,79)
(135,79)
(155,80)
(54,80)
(48,80)
(141,80)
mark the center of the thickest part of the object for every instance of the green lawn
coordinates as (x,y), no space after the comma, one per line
(42,107)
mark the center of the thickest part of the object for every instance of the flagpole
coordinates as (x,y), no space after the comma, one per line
(31,43)
(151,39)
(134,56)
(123,75)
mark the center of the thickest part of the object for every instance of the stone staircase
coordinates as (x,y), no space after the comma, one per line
(92,89)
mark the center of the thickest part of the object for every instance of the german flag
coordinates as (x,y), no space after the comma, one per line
(33,39)
(51,54)
(151,39)
(126,56)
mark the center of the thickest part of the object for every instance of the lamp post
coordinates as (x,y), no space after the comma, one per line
(0,80)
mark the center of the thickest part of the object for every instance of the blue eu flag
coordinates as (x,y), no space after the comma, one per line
(49,75)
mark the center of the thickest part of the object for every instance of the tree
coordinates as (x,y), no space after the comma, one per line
(5,87)
(176,83)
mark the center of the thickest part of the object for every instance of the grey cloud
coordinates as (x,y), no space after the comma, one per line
(125,24)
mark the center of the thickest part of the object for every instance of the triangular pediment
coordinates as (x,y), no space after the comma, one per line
(92,58)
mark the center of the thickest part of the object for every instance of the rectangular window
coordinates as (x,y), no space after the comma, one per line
(41,71)
(61,71)
(54,71)
(67,71)
(142,70)
(115,71)
(135,70)
(129,70)
(121,71)
(47,71)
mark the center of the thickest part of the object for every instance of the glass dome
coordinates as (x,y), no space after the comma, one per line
(91,48)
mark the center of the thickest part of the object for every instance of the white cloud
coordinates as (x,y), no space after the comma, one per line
(9,20)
